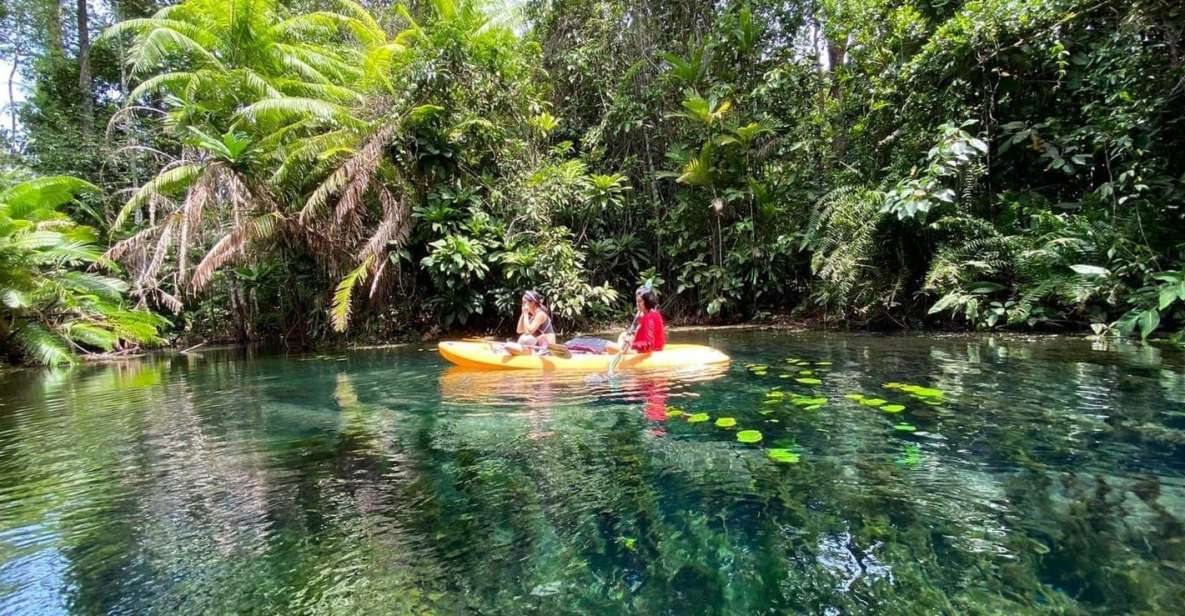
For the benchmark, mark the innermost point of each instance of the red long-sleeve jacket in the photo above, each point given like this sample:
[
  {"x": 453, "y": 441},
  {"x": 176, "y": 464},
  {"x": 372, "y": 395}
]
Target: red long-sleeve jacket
[{"x": 651, "y": 334}]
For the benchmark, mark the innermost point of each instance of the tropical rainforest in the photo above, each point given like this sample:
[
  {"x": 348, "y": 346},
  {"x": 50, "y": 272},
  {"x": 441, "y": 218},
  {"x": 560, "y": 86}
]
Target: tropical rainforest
[{"x": 321, "y": 171}]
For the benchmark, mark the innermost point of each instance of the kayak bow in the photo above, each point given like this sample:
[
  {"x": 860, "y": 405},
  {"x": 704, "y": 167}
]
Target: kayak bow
[{"x": 482, "y": 355}]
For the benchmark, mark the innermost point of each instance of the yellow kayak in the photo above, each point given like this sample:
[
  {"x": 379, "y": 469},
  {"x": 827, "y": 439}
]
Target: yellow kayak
[{"x": 483, "y": 355}]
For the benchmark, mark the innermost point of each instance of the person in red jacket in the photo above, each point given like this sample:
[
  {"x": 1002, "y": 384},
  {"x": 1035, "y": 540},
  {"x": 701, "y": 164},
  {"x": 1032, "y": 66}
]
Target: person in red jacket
[
  {"x": 652, "y": 332},
  {"x": 648, "y": 332}
]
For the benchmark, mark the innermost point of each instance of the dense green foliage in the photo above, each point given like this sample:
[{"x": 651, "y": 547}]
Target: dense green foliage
[
  {"x": 50, "y": 307},
  {"x": 297, "y": 169}
]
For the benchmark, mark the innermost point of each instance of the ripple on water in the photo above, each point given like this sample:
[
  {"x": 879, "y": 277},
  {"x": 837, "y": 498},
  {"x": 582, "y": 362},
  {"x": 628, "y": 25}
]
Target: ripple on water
[{"x": 383, "y": 481}]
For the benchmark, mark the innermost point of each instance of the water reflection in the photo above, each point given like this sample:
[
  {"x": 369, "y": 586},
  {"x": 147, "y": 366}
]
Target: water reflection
[
  {"x": 1049, "y": 478},
  {"x": 466, "y": 388}
]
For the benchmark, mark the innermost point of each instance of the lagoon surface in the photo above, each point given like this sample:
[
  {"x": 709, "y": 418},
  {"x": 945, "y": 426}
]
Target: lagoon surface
[{"x": 1023, "y": 475}]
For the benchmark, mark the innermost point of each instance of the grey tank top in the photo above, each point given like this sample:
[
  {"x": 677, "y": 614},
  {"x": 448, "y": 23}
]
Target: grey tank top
[{"x": 546, "y": 328}]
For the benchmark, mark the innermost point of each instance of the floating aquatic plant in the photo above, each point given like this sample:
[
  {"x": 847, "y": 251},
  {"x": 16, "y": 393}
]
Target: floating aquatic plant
[
  {"x": 749, "y": 436},
  {"x": 805, "y": 372},
  {"x": 726, "y": 422},
  {"x": 674, "y": 413},
  {"x": 872, "y": 401},
  {"x": 783, "y": 456},
  {"x": 915, "y": 390},
  {"x": 698, "y": 418},
  {"x": 911, "y": 455},
  {"x": 809, "y": 381},
  {"x": 904, "y": 427},
  {"x": 822, "y": 363},
  {"x": 893, "y": 408},
  {"x": 856, "y": 397}
]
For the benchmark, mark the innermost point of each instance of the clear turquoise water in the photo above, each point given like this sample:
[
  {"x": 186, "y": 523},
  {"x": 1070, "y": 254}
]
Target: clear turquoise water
[{"x": 1049, "y": 477}]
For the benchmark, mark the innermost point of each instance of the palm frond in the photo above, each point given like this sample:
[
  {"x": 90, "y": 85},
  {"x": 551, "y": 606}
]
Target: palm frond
[
  {"x": 44, "y": 193},
  {"x": 353, "y": 176},
  {"x": 279, "y": 110},
  {"x": 340, "y": 312},
  {"x": 104, "y": 287},
  {"x": 173, "y": 83},
  {"x": 172, "y": 180},
  {"x": 153, "y": 50},
  {"x": 92, "y": 335},
  {"x": 232, "y": 244}
]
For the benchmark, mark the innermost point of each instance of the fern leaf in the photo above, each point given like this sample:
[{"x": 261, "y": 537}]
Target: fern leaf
[{"x": 44, "y": 346}]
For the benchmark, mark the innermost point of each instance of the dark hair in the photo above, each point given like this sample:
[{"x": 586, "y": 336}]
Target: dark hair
[
  {"x": 535, "y": 298},
  {"x": 649, "y": 299}
]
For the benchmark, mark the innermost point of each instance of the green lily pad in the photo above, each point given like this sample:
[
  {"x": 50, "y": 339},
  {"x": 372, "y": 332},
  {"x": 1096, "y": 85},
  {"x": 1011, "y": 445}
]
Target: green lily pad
[
  {"x": 872, "y": 401},
  {"x": 893, "y": 408},
  {"x": 854, "y": 396},
  {"x": 698, "y": 418},
  {"x": 893, "y": 385},
  {"x": 922, "y": 392},
  {"x": 813, "y": 407},
  {"x": 783, "y": 376},
  {"x": 726, "y": 422},
  {"x": 809, "y": 381},
  {"x": 904, "y": 427},
  {"x": 749, "y": 436},
  {"x": 783, "y": 456},
  {"x": 822, "y": 363},
  {"x": 674, "y": 413},
  {"x": 805, "y": 372}
]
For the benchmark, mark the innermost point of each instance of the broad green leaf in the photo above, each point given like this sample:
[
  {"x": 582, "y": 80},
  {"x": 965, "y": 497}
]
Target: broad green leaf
[
  {"x": 1168, "y": 295},
  {"x": 1148, "y": 321}
]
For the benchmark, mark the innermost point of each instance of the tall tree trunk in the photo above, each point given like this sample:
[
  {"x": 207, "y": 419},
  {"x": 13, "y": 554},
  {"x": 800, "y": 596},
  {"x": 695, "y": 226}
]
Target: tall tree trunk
[
  {"x": 837, "y": 51},
  {"x": 53, "y": 28},
  {"x": 16, "y": 61},
  {"x": 84, "y": 69}
]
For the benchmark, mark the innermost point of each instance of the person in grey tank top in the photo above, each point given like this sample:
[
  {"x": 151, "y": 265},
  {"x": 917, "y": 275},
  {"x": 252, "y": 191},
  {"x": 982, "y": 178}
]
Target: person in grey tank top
[{"x": 534, "y": 326}]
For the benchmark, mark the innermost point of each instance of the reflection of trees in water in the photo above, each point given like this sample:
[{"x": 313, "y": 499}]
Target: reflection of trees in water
[
  {"x": 721, "y": 520},
  {"x": 221, "y": 498}
]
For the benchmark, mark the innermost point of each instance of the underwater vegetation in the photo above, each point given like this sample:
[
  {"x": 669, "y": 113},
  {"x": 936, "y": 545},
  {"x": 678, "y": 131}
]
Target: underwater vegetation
[{"x": 363, "y": 482}]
